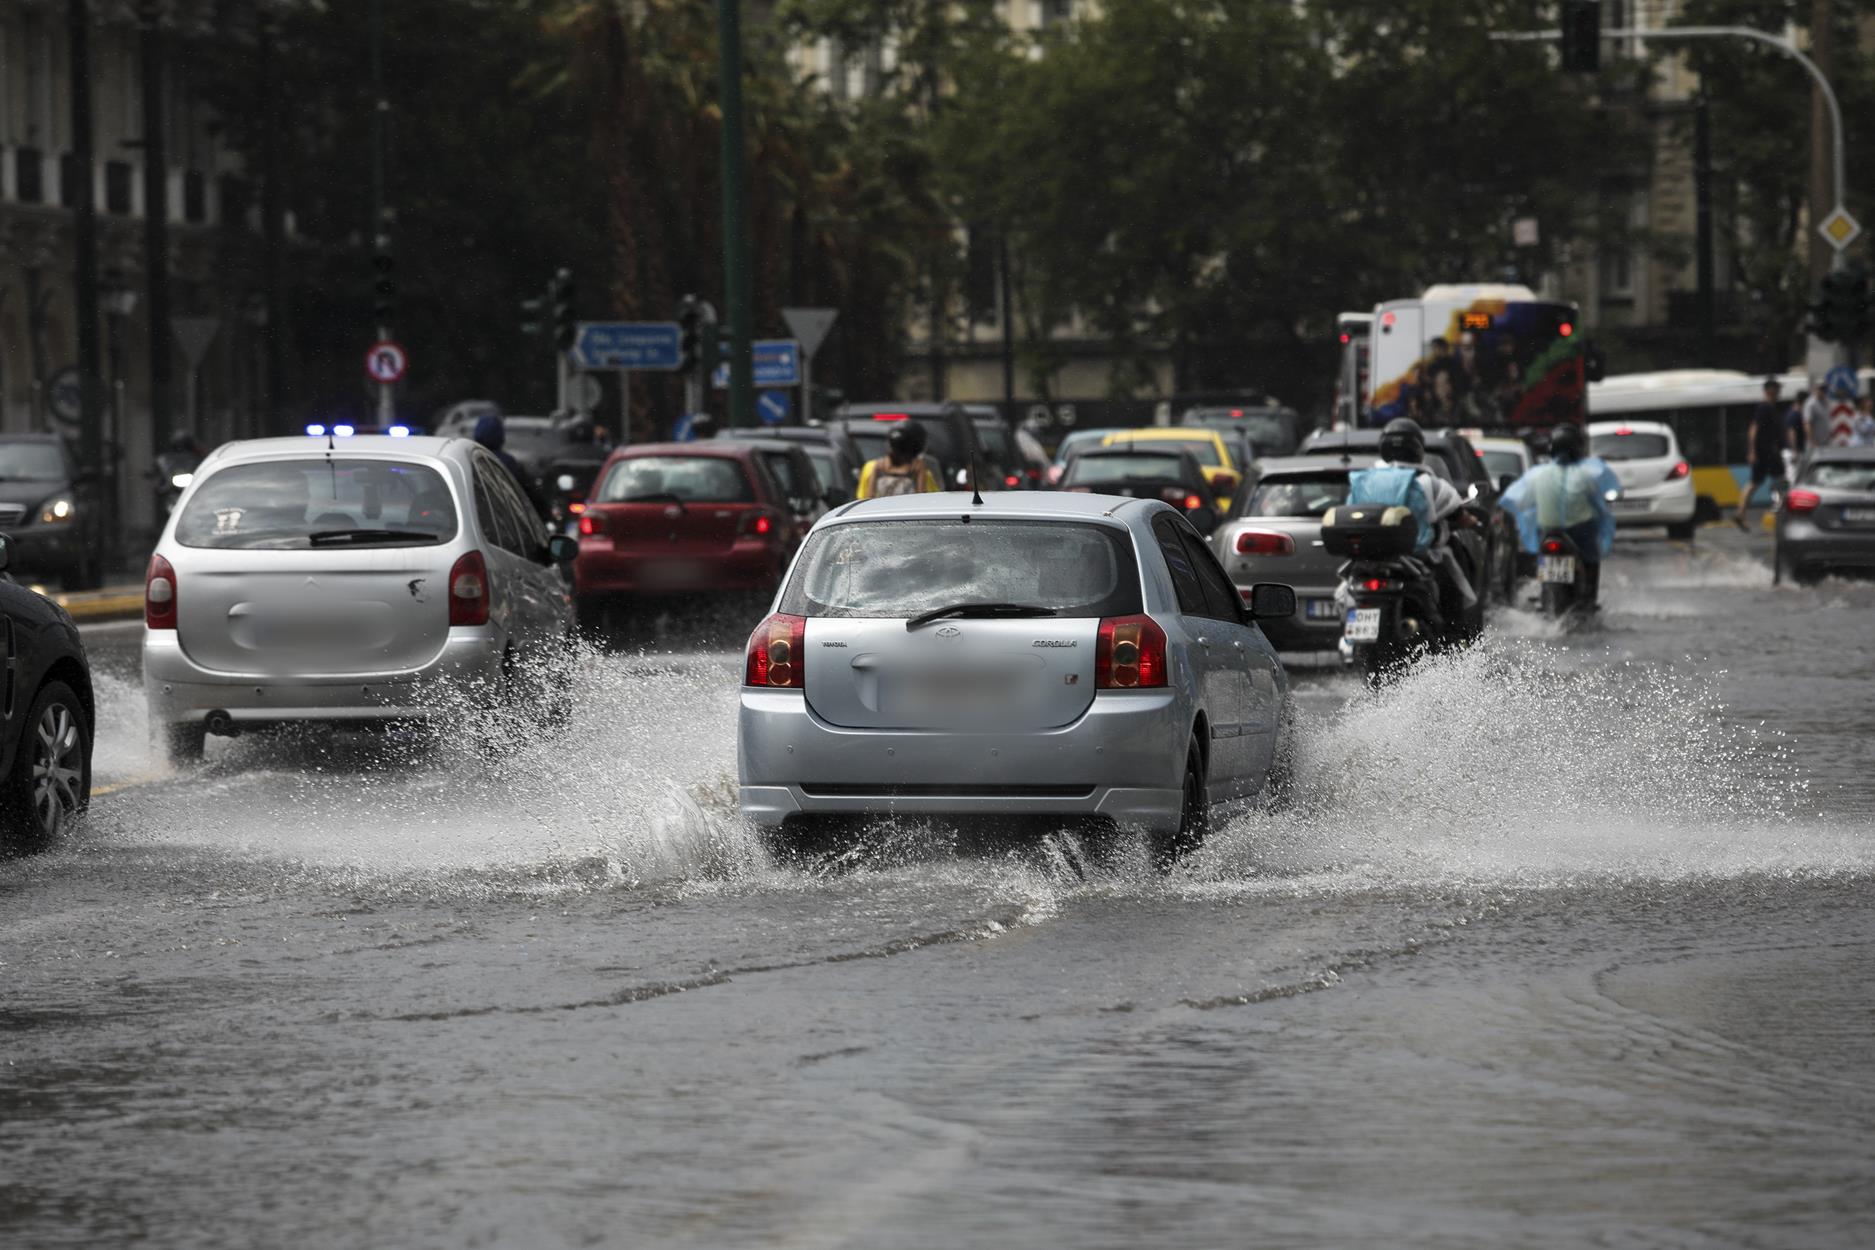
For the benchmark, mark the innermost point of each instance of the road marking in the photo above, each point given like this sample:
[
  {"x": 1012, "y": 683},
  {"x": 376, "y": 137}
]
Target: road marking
[{"x": 129, "y": 783}]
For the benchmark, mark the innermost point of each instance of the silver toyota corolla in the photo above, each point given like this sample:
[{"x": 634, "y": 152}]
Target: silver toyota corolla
[
  {"x": 332, "y": 579},
  {"x": 1034, "y": 654}
]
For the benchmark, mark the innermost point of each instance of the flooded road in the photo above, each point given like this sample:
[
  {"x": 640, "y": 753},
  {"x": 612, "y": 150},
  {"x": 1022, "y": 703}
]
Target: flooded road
[{"x": 1566, "y": 941}]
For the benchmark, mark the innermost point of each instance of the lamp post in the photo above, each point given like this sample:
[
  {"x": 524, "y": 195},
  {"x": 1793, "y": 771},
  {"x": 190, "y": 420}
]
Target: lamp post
[{"x": 119, "y": 300}]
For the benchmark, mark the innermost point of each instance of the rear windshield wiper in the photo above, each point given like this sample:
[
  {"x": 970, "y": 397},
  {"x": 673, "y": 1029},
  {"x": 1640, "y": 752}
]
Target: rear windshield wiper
[
  {"x": 328, "y": 538},
  {"x": 662, "y": 496},
  {"x": 977, "y": 609}
]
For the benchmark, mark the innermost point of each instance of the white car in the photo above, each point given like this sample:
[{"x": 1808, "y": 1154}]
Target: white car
[
  {"x": 1656, "y": 481},
  {"x": 338, "y": 579},
  {"x": 1505, "y": 459}
]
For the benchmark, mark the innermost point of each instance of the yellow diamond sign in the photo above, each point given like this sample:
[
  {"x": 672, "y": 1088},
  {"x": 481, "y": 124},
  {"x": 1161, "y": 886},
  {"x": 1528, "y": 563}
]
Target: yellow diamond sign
[{"x": 1840, "y": 229}]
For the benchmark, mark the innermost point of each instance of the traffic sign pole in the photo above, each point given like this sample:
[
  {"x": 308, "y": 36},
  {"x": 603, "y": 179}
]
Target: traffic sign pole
[
  {"x": 735, "y": 214},
  {"x": 810, "y": 326}
]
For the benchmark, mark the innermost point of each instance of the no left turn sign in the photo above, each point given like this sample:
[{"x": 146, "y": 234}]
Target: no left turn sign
[{"x": 386, "y": 362}]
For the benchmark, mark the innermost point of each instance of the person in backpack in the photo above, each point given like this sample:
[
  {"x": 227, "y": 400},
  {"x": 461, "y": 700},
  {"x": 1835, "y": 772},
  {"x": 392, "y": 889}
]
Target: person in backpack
[
  {"x": 902, "y": 470},
  {"x": 1401, "y": 479},
  {"x": 1569, "y": 493}
]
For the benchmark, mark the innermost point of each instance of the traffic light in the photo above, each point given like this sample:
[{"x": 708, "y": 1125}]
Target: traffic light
[
  {"x": 534, "y": 316},
  {"x": 383, "y": 287},
  {"x": 565, "y": 328},
  {"x": 689, "y": 334},
  {"x": 1842, "y": 312},
  {"x": 1581, "y": 36}
]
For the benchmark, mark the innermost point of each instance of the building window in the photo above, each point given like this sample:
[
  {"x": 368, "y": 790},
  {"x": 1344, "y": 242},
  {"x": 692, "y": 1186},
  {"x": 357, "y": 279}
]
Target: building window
[{"x": 1618, "y": 272}]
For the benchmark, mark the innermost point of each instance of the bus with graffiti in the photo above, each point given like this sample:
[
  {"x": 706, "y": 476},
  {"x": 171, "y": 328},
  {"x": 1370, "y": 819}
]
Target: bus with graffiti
[{"x": 1482, "y": 355}]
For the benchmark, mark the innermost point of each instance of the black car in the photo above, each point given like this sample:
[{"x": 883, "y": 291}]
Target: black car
[
  {"x": 1271, "y": 430},
  {"x": 835, "y": 458},
  {"x": 46, "y": 715},
  {"x": 950, "y": 439},
  {"x": 50, "y": 510},
  {"x": 1145, "y": 471},
  {"x": 1489, "y": 553}
]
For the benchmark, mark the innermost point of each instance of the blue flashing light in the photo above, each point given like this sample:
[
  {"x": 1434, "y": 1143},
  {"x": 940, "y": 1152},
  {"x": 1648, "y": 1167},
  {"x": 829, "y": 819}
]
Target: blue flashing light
[
  {"x": 315, "y": 430},
  {"x": 343, "y": 431},
  {"x": 399, "y": 431}
]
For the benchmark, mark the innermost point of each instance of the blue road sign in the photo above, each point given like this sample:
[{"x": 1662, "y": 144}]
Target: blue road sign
[
  {"x": 777, "y": 363},
  {"x": 685, "y": 429},
  {"x": 772, "y": 407},
  {"x": 626, "y": 345},
  {"x": 1842, "y": 382}
]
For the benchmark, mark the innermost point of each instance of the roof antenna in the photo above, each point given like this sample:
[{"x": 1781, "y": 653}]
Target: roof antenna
[{"x": 976, "y": 496}]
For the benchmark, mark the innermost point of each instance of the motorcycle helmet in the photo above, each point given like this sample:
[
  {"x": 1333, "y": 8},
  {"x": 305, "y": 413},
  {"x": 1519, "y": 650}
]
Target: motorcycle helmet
[
  {"x": 1567, "y": 443},
  {"x": 906, "y": 442},
  {"x": 1403, "y": 442}
]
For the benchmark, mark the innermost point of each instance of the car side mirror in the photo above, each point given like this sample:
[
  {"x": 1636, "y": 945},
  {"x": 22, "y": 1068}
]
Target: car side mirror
[
  {"x": 1505, "y": 481},
  {"x": 1271, "y": 601},
  {"x": 562, "y": 549}
]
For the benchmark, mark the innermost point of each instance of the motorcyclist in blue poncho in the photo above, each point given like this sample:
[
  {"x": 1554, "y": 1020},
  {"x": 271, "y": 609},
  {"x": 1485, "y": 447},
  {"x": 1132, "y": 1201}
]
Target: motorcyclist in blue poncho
[
  {"x": 1401, "y": 479},
  {"x": 1570, "y": 493}
]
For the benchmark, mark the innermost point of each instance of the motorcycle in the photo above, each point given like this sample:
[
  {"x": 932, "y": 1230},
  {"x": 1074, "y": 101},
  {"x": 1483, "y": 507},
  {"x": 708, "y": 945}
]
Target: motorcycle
[
  {"x": 1389, "y": 595},
  {"x": 1562, "y": 576}
]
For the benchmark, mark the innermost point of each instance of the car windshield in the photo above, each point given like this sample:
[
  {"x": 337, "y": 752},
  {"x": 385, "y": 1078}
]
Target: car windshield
[
  {"x": 1629, "y": 446},
  {"x": 31, "y": 462},
  {"x": 1123, "y": 467},
  {"x": 904, "y": 568},
  {"x": 1838, "y": 475},
  {"x": 687, "y": 479},
  {"x": 1498, "y": 463},
  {"x": 1298, "y": 496},
  {"x": 286, "y": 505},
  {"x": 1203, "y": 450}
]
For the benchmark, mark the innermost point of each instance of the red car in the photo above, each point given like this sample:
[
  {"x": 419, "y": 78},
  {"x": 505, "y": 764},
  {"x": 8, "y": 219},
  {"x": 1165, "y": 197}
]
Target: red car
[{"x": 682, "y": 518}]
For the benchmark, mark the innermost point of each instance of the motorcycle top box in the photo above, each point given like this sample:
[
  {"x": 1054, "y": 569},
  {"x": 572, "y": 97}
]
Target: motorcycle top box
[{"x": 1370, "y": 532}]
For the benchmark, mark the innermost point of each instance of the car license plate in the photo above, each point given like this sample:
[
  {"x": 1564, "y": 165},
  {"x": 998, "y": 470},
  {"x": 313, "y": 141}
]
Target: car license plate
[
  {"x": 1859, "y": 516},
  {"x": 1319, "y": 609},
  {"x": 1556, "y": 569},
  {"x": 1363, "y": 625}
]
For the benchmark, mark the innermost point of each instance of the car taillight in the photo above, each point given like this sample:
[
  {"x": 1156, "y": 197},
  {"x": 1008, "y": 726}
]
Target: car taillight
[
  {"x": 591, "y": 524},
  {"x": 758, "y": 525},
  {"x": 1380, "y": 583},
  {"x": 774, "y": 658},
  {"x": 1678, "y": 471},
  {"x": 1552, "y": 546},
  {"x": 1129, "y": 653},
  {"x": 159, "y": 595},
  {"x": 468, "y": 589},
  {"x": 1193, "y": 503},
  {"x": 1802, "y": 501},
  {"x": 577, "y": 507},
  {"x": 1012, "y": 481},
  {"x": 1265, "y": 543}
]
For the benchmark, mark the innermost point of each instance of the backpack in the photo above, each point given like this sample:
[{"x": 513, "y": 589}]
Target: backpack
[
  {"x": 887, "y": 481},
  {"x": 1388, "y": 486}
]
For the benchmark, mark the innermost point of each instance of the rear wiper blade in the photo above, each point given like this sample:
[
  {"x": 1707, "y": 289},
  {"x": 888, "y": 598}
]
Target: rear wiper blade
[
  {"x": 978, "y": 609},
  {"x": 662, "y": 496},
  {"x": 325, "y": 538}
]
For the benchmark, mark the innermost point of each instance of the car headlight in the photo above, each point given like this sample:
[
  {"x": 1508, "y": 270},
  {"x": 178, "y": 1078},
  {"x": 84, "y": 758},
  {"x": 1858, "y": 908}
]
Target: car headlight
[{"x": 56, "y": 511}]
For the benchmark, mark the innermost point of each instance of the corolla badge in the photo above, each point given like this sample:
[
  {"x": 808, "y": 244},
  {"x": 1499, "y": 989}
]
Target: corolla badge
[{"x": 949, "y": 631}]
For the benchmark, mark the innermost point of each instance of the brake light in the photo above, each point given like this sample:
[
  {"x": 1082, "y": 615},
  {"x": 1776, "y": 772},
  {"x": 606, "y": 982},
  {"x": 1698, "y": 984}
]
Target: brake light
[
  {"x": 1265, "y": 543},
  {"x": 759, "y": 524},
  {"x": 1012, "y": 480},
  {"x": 591, "y": 524},
  {"x": 1678, "y": 471},
  {"x": 1192, "y": 503},
  {"x": 159, "y": 595},
  {"x": 1802, "y": 501},
  {"x": 891, "y": 416},
  {"x": 1565, "y": 329},
  {"x": 1238, "y": 412},
  {"x": 468, "y": 590},
  {"x": 1623, "y": 432},
  {"x": 1129, "y": 653},
  {"x": 577, "y": 507},
  {"x": 1552, "y": 546},
  {"x": 1379, "y": 583},
  {"x": 774, "y": 654}
]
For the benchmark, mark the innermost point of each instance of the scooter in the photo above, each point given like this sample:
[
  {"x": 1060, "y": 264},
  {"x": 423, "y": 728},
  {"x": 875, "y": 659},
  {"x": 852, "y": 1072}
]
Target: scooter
[
  {"x": 1562, "y": 576},
  {"x": 1389, "y": 596}
]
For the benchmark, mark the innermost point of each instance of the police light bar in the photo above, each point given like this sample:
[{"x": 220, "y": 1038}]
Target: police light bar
[
  {"x": 343, "y": 431},
  {"x": 399, "y": 431},
  {"x": 315, "y": 430}
]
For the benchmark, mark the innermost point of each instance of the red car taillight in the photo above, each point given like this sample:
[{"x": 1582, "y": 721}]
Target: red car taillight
[
  {"x": 591, "y": 524},
  {"x": 468, "y": 590},
  {"x": 774, "y": 657},
  {"x": 1802, "y": 501},
  {"x": 1129, "y": 653},
  {"x": 1678, "y": 471},
  {"x": 159, "y": 595},
  {"x": 1377, "y": 584},
  {"x": 1552, "y": 546},
  {"x": 1265, "y": 543},
  {"x": 758, "y": 525},
  {"x": 1012, "y": 481}
]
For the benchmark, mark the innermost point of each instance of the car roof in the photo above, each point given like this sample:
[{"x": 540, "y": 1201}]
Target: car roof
[
  {"x": 910, "y": 409},
  {"x": 1027, "y": 504},
  {"x": 725, "y": 448},
  {"x": 1636, "y": 427},
  {"x": 1494, "y": 442},
  {"x": 784, "y": 433},
  {"x": 1168, "y": 434},
  {"x": 414, "y": 447},
  {"x": 1277, "y": 466}
]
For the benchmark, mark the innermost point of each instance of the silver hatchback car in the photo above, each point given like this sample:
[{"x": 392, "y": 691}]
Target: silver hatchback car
[
  {"x": 335, "y": 579},
  {"x": 1033, "y": 654}
]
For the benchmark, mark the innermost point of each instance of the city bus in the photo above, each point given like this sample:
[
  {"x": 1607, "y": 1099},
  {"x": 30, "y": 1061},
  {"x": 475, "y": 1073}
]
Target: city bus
[
  {"x": 1493, "y": 356},
  {"x": 1710, "y": 413},
  {"x": 1352, "y": 331}
]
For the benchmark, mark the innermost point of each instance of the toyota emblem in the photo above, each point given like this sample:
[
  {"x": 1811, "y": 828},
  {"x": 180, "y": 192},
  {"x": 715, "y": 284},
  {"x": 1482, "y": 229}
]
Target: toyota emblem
[{"x": 949, "y": 631}]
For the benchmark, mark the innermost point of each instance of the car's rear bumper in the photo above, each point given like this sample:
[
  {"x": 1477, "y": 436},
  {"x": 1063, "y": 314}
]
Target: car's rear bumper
[
  {"x": 1670, "y": 503},
  {"x": 180, "y": 691},
  {"x": 1809, "y": 547},
  {"x": 1123, "y": 759},
  {"x": 608, "y": 571}
]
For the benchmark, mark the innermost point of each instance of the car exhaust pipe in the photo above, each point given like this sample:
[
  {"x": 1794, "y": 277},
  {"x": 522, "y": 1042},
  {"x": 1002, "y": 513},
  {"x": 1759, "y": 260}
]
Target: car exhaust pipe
[{"x": 221, "y": 724}]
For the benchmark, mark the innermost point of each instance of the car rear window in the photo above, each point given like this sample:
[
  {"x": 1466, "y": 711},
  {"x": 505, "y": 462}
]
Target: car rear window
[
  {"x": 1269, "y": 432},
  {"x": 902, "y": 568},
  {"x": 692, "y": 479},
  {"x": 1299, "y": 495},
  {"x": 1629, "y": 446},
  {"x": 940, "y": 439},
  {"x": 1837, "y": 475},
  {"x": 783, "y": 466},
  {"x": 1132, "y": 466},
  {"x": 294, "y": 505},
  {"x": 1498, "y": 463}
]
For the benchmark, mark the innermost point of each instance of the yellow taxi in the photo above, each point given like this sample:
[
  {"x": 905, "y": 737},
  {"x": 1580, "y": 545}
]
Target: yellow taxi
[{"x": 1207, "y": 447}]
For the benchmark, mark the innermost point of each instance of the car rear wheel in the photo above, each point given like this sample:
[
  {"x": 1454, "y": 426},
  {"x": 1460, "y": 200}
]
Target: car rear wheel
[
  {"x": 1194, "y": 815},
  {"x": 50, "y": 785}
]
